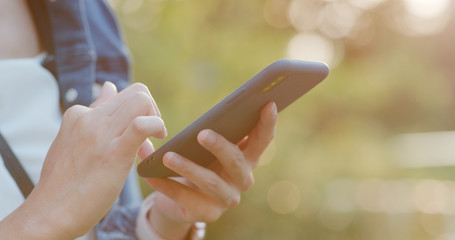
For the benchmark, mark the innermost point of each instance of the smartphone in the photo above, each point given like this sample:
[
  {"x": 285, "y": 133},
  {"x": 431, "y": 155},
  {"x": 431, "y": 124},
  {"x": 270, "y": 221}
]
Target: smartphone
[{"x": 283, "y": 82}]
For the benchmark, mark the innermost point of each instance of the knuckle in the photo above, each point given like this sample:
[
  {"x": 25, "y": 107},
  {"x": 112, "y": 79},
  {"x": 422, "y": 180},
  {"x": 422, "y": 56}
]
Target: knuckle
[
  {"x": 142, "y": 98},
  {"x": 187, "y": 216},
  {"x": 90, "y": 130},
  {"x": 138, "y": 125},
  {"x": 146, "y": 126},
  {"x": 211, "y": 214},
  {"x": 83, "y": 121},
  {"x": 266, "y": 136},
  {"x": 237, "y": 159},
  {"x": 234, "y": 201},
  {"x": 212, "y": 182},
  {"x": 73, "y": 112},
  {"x": 208, "y": 213},
  {"x": 249, "y": 182}
]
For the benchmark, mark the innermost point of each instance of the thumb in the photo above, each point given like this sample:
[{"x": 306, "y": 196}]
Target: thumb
[{"x": 108, "y": 91}]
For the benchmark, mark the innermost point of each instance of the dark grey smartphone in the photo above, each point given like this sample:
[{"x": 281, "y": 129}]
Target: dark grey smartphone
[{"x": 234, "y": 117}]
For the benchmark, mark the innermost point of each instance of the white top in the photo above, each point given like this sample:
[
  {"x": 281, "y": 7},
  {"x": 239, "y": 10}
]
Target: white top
[{"x": 29, "y": 121}]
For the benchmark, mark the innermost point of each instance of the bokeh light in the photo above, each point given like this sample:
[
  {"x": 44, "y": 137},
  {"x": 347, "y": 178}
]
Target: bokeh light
[
  {"x": 336, "y": 20},
  {"x": 427, "y": 9},
  {"x": 432, "y": 197},
  {"x": 275, "y": 13},
  {"x": 399, "y": 197},
  {"x": 423, "y": 17},
  {"x": 284, "y": 197},
  {"x": 340, "y": 195},
  {"x": 365, "y": 4},
  {"x": 424, "y": 149},
  {"x": 371, "y": 195},
  {"x": 304, "y": 14},
  {"x": 313, "y": 47}
]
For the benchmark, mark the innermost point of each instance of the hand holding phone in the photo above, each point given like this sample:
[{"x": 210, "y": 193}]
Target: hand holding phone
[{"x": 282, "y": 82}]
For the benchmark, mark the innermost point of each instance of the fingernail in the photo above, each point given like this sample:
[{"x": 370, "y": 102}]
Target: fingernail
[
  {"x": 274, "y": 109},
  {"x": 170, "y": 159},
  {"x": 105, "y": 84},
  {"x": 208, "y": 137},
  {"x": 97, "y": 91},
  {"x": 165, "y": 131}
]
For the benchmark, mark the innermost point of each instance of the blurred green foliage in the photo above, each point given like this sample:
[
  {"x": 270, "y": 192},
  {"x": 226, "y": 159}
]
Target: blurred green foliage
[{"x": 192, "y": 54}]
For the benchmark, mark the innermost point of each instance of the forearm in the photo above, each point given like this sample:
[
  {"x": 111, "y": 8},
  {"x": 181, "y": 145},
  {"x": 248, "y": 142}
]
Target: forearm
[
  {"x": 30, "y": 222},
  {"x": 46, "y": 214}
]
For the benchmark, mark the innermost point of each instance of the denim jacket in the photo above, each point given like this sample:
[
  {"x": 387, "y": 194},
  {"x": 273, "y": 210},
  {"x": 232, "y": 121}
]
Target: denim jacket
[{"x": 85, "y": 49}]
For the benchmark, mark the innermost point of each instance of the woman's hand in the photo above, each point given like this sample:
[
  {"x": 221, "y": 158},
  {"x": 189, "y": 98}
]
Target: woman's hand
[
  {"x": 88, "y": 163},
  {"x": 203, "y": 195}
]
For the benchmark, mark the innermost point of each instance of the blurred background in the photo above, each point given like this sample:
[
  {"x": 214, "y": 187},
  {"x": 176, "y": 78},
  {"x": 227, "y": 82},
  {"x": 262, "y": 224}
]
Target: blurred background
[{"x": 367, "y": 154}]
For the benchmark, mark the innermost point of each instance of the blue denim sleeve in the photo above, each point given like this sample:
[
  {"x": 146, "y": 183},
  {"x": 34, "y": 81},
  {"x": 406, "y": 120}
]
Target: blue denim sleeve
[{"x": 120, "y": 222}]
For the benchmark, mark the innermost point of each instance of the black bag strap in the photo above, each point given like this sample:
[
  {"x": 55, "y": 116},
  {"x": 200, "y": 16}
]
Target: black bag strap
[{"x": 15, "y": 168}]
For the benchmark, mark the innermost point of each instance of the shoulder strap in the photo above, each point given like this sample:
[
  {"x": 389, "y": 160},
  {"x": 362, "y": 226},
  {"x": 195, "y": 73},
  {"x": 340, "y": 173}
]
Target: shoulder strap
[{"x": 15, "y": 168}]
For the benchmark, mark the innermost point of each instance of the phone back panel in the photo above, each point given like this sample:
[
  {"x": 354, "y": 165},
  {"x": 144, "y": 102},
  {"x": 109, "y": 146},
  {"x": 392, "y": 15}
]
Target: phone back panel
[{"x": 236, "y": 115}]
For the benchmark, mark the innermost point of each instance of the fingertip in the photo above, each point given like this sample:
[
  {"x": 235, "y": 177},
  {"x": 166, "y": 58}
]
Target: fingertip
[
  {"x": 167, "y": 158},
  {"x": 269, "y": 114},
  {"x": 165, "y": 129},
  {"x": 249, "y": 182},
  {"x": 163, "y": 133},
  {"x": 107, "y": 83},
  {"x": 108, "y": 87},
  {"x": 201, "y": 135},
  {"x": 107, "y": 91},
  {"x": 146, "y": 149},
  {"x": 272, "y": 110},
  {"x": 140, "y": 129},
  {"x": 206, "y": 137}
]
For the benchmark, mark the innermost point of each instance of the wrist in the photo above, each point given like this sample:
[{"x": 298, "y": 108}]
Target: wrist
[
  {"x": 152, "y": 224},
  {"x": 167, "y": 228}
]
